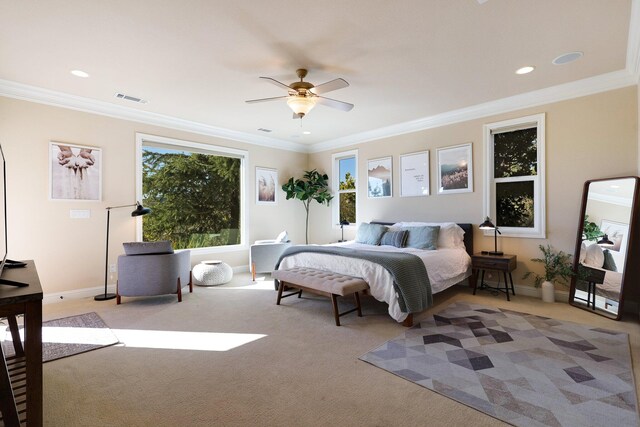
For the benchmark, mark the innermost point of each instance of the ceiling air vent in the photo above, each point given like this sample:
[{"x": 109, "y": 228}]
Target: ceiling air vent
[
  {"x": 264, "y": 130},
  {"x": 130, "y": 98}
]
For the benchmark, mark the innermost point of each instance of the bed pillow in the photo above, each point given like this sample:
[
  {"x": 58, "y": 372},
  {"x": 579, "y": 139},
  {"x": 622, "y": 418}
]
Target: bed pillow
[
  {"x": 583, "y": 253},
  {"x": 395, "y": 238},
  {"x": 594, "y": 256},
  {"x": 609, "y": 262},
  {"x": 425, "y": 237},
  {"x": 148, "y": 248},
  {"x": 370, "y": 234},
  {"x": 450, "y": 235}
]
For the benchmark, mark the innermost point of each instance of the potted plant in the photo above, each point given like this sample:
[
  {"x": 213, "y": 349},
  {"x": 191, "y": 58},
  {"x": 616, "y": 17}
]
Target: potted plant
[
  {"x": 312, "y": 186},
  {"x": 557, "y": 266}
]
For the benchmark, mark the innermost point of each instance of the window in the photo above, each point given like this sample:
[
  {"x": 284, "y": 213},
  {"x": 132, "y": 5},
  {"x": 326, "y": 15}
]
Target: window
[
  {"x": 195, "y": 193},
  {"x": 514, "y": 165},
  {"x": 345, "y": 168}
]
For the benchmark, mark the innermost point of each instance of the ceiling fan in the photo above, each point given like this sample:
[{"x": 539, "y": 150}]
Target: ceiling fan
[{"x": 303, "y": 96}]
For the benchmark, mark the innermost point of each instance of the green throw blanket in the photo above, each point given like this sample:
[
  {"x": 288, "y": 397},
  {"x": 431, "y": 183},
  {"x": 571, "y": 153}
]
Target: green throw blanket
[{"x": 409, "y": 274}]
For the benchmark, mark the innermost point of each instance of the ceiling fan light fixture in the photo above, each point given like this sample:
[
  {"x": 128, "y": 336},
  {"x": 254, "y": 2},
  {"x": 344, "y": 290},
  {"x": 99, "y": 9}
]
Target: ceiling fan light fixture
[{"x": 301, "y": 105}]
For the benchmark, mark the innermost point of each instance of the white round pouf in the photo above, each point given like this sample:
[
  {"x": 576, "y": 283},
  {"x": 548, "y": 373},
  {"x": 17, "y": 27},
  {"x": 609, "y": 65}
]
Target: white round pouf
[{"x": 212, "y": 273}]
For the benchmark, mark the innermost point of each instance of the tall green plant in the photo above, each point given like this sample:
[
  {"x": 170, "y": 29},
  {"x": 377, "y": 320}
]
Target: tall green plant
[
  {"x": 312, "y": 186},
  {"x": 557, "y": 265}
]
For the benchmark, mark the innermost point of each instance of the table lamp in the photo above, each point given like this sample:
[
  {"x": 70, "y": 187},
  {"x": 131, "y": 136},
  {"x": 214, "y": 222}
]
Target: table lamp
[
  {"x": 488, "y": 225},
  {"x": 342, "y": 224}
]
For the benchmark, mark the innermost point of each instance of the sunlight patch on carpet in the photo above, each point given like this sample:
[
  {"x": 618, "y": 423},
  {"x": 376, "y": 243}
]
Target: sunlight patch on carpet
[{"x": 180, "y": 340}]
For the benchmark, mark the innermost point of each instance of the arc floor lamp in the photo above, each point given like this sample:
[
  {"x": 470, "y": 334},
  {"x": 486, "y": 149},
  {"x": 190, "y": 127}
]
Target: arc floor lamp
[{"x": 139, "y": 211}]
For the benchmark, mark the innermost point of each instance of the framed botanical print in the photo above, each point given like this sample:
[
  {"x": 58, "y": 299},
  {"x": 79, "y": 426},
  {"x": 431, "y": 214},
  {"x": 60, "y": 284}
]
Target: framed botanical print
[{"x": 266, "y": 186}]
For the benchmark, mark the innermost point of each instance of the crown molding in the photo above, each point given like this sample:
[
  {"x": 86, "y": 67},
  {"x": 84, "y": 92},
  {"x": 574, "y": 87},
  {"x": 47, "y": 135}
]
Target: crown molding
[
  {"x": 58, "y": 99},
  {"x": 633, "y": 41},
  {"x": 576, "y": 89}
]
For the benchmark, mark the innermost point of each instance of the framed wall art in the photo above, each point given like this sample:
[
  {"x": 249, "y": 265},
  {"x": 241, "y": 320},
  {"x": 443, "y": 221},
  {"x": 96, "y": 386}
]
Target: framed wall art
[
  {"x": 379, "y": 177},
  {"x": 266, "y": 186},
  {"x": 75, "y": 172},
  {"x": 414, "y": 174},
  {"x": 455, "y": 169}
]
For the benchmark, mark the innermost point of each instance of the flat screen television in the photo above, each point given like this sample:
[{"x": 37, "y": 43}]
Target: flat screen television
[{"x": 4, "y": 241}]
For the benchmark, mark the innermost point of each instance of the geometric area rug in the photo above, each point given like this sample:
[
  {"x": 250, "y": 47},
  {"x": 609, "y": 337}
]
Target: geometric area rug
[
  {"x": 523, "y": 369},
  {"x": 69, "y": 336}
]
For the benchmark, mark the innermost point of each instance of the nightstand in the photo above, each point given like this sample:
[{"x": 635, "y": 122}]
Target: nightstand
[{"x": 504, "y": 263}]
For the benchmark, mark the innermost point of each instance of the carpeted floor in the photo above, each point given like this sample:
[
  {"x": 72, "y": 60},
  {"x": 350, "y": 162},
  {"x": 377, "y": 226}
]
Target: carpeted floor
[
  {"x": 524, "y": 369},
  {"x": 262, "y": 364}
]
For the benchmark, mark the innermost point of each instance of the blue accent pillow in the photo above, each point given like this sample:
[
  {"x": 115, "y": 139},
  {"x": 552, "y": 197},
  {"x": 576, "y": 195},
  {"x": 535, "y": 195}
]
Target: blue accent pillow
[
  {"x": 425, "y": 237},
  {"x": 395, "y": 238},
  {"x": 370, "y": 234},
  {"x": 609, "y": 263}
]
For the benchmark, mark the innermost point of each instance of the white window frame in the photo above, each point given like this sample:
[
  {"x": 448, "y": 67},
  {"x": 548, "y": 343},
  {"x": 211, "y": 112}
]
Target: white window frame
[
  {"x": 335, "y": 186},
  {"x": 538, "y": 121},
  {"x": 172, "y": 143}
]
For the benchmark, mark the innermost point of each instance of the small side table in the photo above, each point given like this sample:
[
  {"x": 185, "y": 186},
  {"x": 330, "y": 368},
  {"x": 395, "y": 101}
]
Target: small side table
[
  {"x": 212, "y": 273},
  {"x": 505, "y": 263}
]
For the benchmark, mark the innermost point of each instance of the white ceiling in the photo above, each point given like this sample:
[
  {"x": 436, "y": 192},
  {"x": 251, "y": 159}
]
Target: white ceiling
[{"x": 197, "y": 61}]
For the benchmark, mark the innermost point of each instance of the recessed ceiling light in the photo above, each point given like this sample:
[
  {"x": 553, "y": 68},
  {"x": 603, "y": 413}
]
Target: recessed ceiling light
[
  {"x": 306, "y": 132},
  {"x": 80, "y": 73},
  {"x": 565, "y": 58},
  {"x": 525, "y": 70}
]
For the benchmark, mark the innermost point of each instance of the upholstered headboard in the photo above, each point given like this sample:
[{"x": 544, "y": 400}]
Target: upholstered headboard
[{"x": 468, "y": 233}]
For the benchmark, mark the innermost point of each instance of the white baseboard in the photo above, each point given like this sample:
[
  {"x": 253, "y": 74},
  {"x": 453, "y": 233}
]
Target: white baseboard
[
  {"x": 50, "y": 298},
  {"x": 54, "y": 297},
  {"x": 530, "y": 291}
]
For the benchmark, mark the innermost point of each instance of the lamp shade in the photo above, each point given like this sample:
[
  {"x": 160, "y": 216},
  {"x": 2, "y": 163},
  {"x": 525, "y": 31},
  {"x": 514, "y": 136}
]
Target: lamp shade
[
  {"x": 301, "y": 105},
  {"x": 487, "y": 224},
  {"x": 140, "y": 210},
  {"x": 604, "y": 241}
]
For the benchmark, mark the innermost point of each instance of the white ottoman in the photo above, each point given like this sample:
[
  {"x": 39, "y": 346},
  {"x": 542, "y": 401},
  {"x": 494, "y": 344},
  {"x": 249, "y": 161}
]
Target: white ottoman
[{"x": 212, "y": 273}]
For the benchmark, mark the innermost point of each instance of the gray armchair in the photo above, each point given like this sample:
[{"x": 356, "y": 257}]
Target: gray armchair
[
  {"x": 264, "y": 254},
  {"x": 152, "y": 268}
]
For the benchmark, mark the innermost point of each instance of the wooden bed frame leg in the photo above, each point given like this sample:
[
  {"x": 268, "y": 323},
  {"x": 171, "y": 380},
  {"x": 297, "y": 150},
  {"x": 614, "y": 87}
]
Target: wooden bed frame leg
[{"x": 408, "y": 322}]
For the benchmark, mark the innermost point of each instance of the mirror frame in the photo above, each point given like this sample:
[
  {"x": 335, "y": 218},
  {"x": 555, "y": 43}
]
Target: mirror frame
[{"x": 629, "y": 273}]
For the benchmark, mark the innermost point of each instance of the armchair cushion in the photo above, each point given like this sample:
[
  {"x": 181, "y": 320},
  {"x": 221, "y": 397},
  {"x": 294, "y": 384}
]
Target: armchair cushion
[{"x": 147, "y": 248}]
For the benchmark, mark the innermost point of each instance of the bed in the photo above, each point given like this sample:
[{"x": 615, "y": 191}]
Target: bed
[{"x": 446, "y": 266}]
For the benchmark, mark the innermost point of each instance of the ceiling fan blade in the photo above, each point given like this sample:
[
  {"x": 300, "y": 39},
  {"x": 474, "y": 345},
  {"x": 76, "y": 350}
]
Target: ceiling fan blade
[
  {"x": 329, "y": 86},
  {"x": 277, "y": 83},
  {"x": 333, "y": 103},
  {"x": 253, "y": 101}
]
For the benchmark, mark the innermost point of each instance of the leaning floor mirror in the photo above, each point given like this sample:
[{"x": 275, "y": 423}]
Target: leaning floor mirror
[{"x": 607, "y": 265}]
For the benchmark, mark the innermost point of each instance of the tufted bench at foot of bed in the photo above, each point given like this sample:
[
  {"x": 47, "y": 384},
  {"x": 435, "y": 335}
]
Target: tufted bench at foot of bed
[{"x": 323, "y": 283}]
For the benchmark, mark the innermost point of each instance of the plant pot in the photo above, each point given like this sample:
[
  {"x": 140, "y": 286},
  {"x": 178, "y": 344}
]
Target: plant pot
[{"x": 548, "y": 292}]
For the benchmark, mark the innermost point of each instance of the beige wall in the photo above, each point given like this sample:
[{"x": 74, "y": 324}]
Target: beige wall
[
  {"x": 586, "y": 138},
  {"x": 69, "y": 253}
]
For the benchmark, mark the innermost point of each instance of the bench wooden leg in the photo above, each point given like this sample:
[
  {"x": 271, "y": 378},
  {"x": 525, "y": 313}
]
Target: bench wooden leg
[
  {"x": 280, "y": 288},
  {"x": 358, "y": 306},
  {"x": 408, "y": 322},
  {"x": 334, "y": 301}
]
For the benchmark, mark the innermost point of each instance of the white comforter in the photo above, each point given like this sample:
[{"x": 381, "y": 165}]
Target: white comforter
[{"x": 445, "y": 267}]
